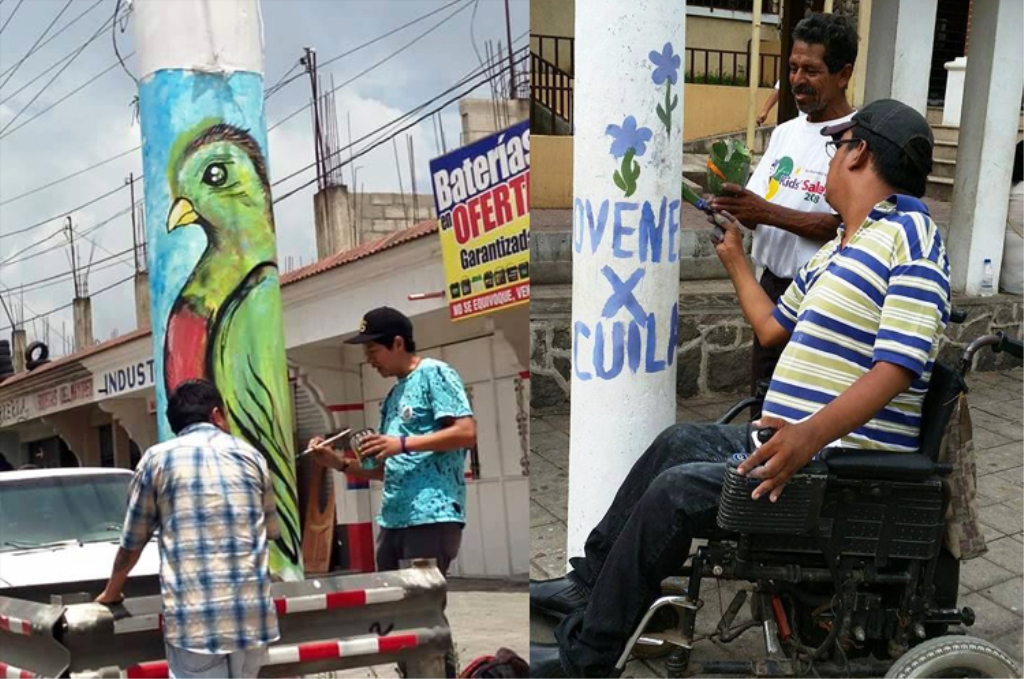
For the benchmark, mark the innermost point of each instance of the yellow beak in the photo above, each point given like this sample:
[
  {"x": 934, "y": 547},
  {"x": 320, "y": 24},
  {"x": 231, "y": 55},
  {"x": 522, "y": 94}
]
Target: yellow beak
[{"x": 182, "y": 214}]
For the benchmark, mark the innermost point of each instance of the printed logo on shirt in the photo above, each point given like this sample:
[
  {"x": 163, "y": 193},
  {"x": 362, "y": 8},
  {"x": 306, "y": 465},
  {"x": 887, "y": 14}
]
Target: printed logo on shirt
[
  {"x": 406, "y": 413},
  {"x": 783, "y": 176}
]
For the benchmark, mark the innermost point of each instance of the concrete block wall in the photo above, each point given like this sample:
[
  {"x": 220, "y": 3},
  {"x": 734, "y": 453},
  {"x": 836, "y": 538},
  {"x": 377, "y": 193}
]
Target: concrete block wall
[
  {"x": 715, "y": 341},
  {"x": 380, "y": 214}
]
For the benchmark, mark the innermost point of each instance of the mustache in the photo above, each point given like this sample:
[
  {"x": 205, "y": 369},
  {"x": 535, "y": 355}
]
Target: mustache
[{"x": 804, "y": 90}]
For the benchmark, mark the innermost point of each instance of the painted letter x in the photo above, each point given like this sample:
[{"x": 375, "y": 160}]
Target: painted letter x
[{"x": 622, "y": 295}]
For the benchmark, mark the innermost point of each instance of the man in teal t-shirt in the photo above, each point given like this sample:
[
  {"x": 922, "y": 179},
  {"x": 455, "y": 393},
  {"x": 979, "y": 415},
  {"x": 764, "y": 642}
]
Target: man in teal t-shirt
[{"x": 426, "y": 428}]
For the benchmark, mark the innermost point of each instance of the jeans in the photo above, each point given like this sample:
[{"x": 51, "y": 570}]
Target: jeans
[
  {"x": 185, "y": 664},
  {"x": 669, "y": 497},
  {"x": 438, "y": 541}
]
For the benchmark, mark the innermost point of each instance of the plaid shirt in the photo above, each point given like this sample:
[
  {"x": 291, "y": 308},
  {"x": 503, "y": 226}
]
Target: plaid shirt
[{"x": 211, "y": 496}]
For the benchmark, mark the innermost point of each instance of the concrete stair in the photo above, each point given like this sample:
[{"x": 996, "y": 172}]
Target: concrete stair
[{"x": 940, "y": 182}]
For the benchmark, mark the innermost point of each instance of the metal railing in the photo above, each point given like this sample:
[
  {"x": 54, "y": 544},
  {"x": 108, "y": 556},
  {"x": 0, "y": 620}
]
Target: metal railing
[
  {"x": 767, "y": 6},
  {"x": 728, "y": 67},
  {"x": 555, "y": 49},
  {"x": 553, "y": 88},
  {"x": 326, "y": 624}
]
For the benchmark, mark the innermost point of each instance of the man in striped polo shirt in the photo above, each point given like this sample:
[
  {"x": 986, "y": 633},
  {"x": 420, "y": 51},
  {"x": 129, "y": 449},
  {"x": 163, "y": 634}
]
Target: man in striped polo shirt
[{"x": 862, "y": 319}]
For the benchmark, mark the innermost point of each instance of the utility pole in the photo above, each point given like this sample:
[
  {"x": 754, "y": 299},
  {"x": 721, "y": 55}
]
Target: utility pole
[
  {"x": 130, "y": 181},
  {"x": 628, "y": 156},
  {"x": 202, "y": 88},
  {"x": 141, "y": 279},
  {"x": 309, "y": 61}
]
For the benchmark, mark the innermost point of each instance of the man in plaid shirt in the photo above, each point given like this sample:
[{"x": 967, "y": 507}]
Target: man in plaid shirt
[{"x": 211, "y": 497}]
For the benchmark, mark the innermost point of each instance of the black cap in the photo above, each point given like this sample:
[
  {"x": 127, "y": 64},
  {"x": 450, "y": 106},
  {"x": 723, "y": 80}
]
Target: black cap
[
  {"x": 897, "y": 123},
  {"x": 382, "y": 323}
]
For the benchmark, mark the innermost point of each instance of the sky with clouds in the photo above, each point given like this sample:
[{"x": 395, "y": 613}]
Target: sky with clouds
[{"x": 96, "y": 123}]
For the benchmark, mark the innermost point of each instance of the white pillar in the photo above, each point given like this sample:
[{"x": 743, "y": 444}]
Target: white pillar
[
  {"x": 988, "y": 134},
  {"x": 629, "y": 57},
  {"x": 900, "y": 54},
  {"x": 201, "y": 95},
  {"x": 951, "y": 105}
]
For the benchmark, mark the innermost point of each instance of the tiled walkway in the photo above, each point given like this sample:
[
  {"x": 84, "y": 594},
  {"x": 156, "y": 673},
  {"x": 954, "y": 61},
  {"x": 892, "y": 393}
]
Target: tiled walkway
[{"x": 991, "y": 584}]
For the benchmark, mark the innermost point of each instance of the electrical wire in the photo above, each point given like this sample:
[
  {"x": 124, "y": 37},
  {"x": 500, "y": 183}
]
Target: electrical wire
[
  {"x": 41, "y": 283},
  {"x": 11, "y": 15},
  {"x": 92, "y": 229},
  {"x": 475, "y": 73},
  {"x": 39, "y": 76},
  {"x": 52, "y": 37},
  {"x": 67, "y": 96},
  {"x": 70, "y": 304},
  {"x": 63, "y": 68},
  {"x": 113, "y": 39},
  {"x": 35, "y": 45},
  {"x": 63, "y": 213},
  {"x": 378, "y": 143},
  {"x": 389, "y": 57},
  {"x": 73, "y": 174}
]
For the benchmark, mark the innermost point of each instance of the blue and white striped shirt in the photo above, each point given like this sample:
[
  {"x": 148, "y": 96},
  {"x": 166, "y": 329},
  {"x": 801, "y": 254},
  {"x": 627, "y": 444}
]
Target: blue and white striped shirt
[
  {"x": 883, "y": 297},
  {"x": 212, "y": 498}
]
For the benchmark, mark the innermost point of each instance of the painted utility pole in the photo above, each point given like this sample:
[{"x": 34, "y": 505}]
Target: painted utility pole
[
  {"x": 215, "y": 295},
  {"x": 628, "y": 157}
]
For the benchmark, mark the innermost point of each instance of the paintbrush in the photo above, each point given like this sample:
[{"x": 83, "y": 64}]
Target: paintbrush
[{"x": 326, "y": 442}]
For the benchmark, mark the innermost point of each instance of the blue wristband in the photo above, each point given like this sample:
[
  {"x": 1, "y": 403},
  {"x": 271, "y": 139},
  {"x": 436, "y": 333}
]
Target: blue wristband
[{"x": 402, "y": 439}]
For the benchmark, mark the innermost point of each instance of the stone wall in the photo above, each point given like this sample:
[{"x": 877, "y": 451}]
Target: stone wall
[
  {"x": 715, "y": 340},
  {"x": 380, "y": 214}
]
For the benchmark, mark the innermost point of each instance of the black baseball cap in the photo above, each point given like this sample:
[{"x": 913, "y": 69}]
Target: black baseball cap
[
  {"x": 898, "y": 124},
  {"x": 382, "y": 323}
]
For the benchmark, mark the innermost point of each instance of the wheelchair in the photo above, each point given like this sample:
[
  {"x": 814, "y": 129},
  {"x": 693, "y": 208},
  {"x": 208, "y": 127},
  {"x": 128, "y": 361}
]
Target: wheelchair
[{"x": 846, "y": 574}]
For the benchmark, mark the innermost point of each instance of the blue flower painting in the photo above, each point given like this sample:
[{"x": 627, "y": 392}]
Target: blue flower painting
[
  {"x": 666, "y": 72},
  {"x": 628, "y": 136},
  {"x": 628, "y": 142},
  {"x": 666, "y": 65}
]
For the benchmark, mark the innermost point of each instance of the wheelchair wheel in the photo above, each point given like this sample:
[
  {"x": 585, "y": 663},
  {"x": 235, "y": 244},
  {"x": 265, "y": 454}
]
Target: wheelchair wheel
[{"x": 954, "y": 656}]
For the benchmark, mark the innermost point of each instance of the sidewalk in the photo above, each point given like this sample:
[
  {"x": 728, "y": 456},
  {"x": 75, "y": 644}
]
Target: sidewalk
[{"x": 991, "y": 585}]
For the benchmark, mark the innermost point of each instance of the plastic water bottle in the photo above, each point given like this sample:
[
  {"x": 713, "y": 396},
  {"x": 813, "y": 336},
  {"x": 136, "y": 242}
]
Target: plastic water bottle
[{"x": 987, "y": 284}]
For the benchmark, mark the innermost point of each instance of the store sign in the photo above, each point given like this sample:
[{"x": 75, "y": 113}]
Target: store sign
[
  {"x": 482, "y": 197},
  {"x": 131, "y": 377},
  {"x": 47, "y": 401}
]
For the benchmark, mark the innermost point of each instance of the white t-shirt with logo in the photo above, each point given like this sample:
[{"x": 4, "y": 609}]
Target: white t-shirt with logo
[{"x": 791, "y": 174}]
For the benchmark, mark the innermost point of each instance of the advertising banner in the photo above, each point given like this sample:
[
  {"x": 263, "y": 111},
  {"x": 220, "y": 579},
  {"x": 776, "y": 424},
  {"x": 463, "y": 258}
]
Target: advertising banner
[{"x": 482, "y": 197}]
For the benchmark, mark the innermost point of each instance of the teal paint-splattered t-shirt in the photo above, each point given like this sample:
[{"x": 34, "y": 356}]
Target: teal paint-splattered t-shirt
[{"x": 423, "y": 487}]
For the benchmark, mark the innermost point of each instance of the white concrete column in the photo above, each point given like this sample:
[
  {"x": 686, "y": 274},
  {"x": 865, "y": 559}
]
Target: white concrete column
[
  {"x": 988, "y": 134},
  {"x": 900, "y": 54},
  {"x": 626, "y": 184},
  {"x": 953, "y": 101}
]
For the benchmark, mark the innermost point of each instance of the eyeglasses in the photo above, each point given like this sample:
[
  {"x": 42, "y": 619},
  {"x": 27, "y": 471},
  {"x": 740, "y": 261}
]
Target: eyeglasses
[{"x": 833, "y": 145}]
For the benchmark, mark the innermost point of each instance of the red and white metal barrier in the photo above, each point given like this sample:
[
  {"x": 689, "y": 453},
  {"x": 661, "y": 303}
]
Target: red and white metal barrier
[
  {"x": 326, "y": 624},
  {"x": 12, "y": 672},
  {"x": 15, "y": 625},
  {"x": 285, "y": 605},
  {"x": 296, "y": 653}
]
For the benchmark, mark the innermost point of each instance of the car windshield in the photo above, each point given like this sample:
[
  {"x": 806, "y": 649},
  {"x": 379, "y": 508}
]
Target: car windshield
[{"x": 55, "y": 509}]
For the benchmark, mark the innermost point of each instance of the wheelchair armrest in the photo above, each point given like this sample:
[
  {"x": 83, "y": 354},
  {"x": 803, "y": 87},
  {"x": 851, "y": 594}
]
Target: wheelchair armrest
[{"x": 851, "y": 463}]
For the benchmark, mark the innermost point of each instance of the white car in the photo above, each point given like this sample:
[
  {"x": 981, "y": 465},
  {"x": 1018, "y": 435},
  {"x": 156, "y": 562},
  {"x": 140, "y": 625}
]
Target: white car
[{"x": 59, "y": 532}]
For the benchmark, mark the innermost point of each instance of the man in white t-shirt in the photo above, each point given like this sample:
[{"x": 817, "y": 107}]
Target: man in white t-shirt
[{"x": 784, "y": 201}]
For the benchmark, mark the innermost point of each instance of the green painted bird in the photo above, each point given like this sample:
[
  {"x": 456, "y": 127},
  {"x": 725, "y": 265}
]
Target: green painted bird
[{"x": 226, "y": 323}]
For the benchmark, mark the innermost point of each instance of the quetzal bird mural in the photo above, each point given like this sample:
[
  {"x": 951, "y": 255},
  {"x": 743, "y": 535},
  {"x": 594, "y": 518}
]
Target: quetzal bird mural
[{"x": 225, "y": 324}]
